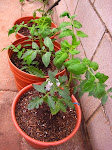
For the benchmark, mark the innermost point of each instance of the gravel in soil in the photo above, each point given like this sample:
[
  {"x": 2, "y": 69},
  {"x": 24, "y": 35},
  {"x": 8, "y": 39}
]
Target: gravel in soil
[{"x": 40, "y": 124}]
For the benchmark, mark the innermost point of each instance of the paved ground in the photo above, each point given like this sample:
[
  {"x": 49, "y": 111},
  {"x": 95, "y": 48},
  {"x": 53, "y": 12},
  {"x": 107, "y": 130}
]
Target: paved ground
[{"x": 10, "y": 139}]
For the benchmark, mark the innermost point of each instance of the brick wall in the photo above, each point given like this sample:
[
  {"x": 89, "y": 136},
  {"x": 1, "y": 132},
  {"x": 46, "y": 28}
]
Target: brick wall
[{"x": 96, "y": 18}]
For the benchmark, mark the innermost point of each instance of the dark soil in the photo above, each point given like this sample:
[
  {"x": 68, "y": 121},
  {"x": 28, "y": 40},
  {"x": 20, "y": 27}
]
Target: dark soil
[
  {"x": 25, "y": 31},
  {"x": 40, "y": 124},
  {"x": 19, "y": 63}
]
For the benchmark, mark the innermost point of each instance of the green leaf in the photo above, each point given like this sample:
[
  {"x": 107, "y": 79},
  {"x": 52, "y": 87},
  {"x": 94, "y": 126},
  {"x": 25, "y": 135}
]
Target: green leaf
[
  {"x": 50, "y": 102},
  {"x": 77, "y": 24},
  {"x": 68, "y": 103},
  {"x": 61, "y": 106},
  {"x": 75, "y": 90},
  {"x": 109, "y": 90},
  {"x": 34, "y": 14},
  {"x": 86, "y": 61},
  {"x": 81, "y": 34},
  {"x": 34, "y": 103},
  {"x": 89, "y": 85},
  {"x": 36, "y": 71},
  {"x": 99, "y": 90},
  {"x": 101, "y": 77},
  {"x": 73, "y": 16},
  {"x": 35, "y": 46},
  {"x": 65, "y": 33},
  {"x": 39, "y": 88},
  {"x": 64, "y": 24},
  {"x": 94, "y": 66},
  {"x": 65, "y": 13},
  {"x": 58, "y": 61},
  {"x": 64, "y": 94},
  {"x": 77, "y": 69},
  {"x": 74, "y": 51},
  {"x": 12, "y": 30},
  {"x": 48, "y": 43},
  {"x": 104, "y": 99},
  {"x": 56, "y": 110},
  {"x": 19, "y": 46},
  {"x": 52, "y": 75},
  {"x": 33, "y": 56},
  {"x": 71, "y": 61},
  {"x": 46, "y": 58},
  {"x": 19, "y": 54},
  {"x": 62, "y": 79},
  {"x": 27, "y": 53}
]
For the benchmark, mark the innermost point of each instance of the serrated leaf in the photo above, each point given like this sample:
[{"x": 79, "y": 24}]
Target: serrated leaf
[
  {"x": 56, "y": 110},
  {"x": 34, "y": 103},
  {"x": 35, "y": 46},
  {"x": 19, "y": 46},
  {"x": 52, "y": 75},
  {"x": 94, "y": 66},
  {"x": 77, "y": 69},
  {"x": 61, "y": 106},
  {"x": 62, "y": 79},
  {"x": 68, "y": 103},
  {"x": 65, "y": 33},
  {"x": 64, "y": 94},
  {"x": 99, "y": 90},
  {"x": 48, "y": 43},
  {"x": 64, "y": 24},
  {"x": 104, "y": 99},
  {"x": 77, "y": 24},
  {"x": 101, "y": 77},
  {"x": 36, "y": 71},
  {"x": 74, "y": 51},
  {"x": 15, "y": 50},
  {"x": 81, "y": 34},
  {"x": 39, "y": 88},
  {"x": 33, "y": 55},
  {"x": 50, "y": 102},
  {"x": 46, "y": 58},
  {"x": 65, "y": 13},
  {"x": 89, "y": 85}
]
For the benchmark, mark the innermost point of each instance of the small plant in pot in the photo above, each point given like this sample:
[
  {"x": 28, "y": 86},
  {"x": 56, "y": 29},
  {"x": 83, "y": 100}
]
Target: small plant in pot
[
  {"x": 57, "y": 95},
  {"x": 23, "y": 31},
  {"x": 31, "y": 57}
]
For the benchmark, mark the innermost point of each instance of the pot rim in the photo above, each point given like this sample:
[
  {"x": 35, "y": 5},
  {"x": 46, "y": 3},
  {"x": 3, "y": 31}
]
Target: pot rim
[{"x": 78, "y": 111}]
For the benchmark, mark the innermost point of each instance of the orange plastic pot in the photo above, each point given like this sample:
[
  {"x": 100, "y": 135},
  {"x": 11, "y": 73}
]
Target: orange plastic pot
[
  {"x": 22, "y": 78},
  {"x": 36, "y": 143},
  {"x": 26, "y": 20}
]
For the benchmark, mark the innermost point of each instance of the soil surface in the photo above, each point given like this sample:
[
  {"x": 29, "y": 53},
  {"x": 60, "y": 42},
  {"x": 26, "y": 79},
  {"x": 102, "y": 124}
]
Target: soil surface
[
  {"x": 19, "y": 63},
  {"x": 40, "y": 124}
]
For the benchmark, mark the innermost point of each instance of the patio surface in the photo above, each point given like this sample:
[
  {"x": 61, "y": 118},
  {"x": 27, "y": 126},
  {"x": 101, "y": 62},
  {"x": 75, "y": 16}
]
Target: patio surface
[{"x": 10, "y": 139}]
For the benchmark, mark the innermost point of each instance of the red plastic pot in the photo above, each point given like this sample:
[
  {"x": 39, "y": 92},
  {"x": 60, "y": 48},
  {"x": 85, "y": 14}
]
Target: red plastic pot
[
  {"x": 26, "y": 20},
  {"x": 36, "y": 143},
  {"x": 22, "y": 78}
]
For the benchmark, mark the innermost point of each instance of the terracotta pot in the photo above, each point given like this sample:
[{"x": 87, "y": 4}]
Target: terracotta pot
[
  {"x": 36, "y": 143},
  {"x": 22, "y": 78},
  {"x": 27, "y": 19}
]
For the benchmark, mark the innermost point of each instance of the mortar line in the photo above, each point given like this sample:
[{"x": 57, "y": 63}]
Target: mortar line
[
  {"x": 93, "y": 113},
  {"x": 7, "y": 90},
  {"x": 92, "y": 5},
  {"x": 76, "y": 6},
  {"x": 96, "y": 50}
]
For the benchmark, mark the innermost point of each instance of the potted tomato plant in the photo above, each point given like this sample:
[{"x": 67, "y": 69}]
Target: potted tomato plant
[
  {"x": 29, "y": 55},
  {"x": 55, "y": 96}
]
